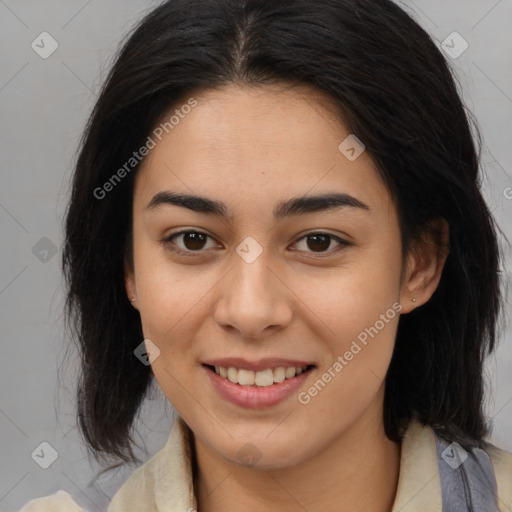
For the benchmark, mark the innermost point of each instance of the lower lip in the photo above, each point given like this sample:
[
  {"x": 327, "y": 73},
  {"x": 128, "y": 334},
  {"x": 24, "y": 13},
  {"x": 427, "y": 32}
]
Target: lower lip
[{"x": 256, "y": 397}]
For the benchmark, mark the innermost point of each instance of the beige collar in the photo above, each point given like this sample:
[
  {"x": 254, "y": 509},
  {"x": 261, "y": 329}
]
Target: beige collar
[{"x": 419, "y": 485}]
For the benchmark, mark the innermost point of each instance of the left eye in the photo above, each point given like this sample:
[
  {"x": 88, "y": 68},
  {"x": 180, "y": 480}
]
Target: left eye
[
  {"x": 194, "y": 241},
  {"x": 322, "y": 241}
]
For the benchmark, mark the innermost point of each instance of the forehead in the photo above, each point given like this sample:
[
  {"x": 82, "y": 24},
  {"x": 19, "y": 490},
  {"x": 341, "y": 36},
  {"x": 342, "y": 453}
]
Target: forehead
[{"x": 256, "y": 145}]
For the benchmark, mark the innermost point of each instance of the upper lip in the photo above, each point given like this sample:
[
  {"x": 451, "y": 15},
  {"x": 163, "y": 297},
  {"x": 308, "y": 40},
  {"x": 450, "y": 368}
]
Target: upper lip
[{"x": 262, "y": 364}]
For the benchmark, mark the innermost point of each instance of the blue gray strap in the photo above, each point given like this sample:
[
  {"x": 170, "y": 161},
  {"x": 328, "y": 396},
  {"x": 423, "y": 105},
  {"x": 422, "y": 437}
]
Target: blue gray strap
[{"x": 468, "y": 483}]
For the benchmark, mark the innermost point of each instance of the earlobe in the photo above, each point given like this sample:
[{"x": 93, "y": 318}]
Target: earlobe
[
  {"x": 425, "y": 265},
  {"x": 129, "y": 283}
]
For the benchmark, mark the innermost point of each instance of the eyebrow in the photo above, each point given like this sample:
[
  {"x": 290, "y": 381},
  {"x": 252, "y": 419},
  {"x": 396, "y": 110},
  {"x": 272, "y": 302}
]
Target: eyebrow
[{"x": 294, "y": 206}]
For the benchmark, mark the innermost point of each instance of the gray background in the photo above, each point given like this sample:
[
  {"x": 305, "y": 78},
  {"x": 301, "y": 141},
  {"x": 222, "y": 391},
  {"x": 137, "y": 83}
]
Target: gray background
[{"x": 43, "y": 107}]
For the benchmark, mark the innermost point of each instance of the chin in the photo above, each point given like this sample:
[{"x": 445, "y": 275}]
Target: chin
[{"x": 262, "y": 453}]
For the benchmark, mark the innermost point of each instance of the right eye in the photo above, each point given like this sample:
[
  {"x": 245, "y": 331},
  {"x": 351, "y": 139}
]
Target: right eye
[{"x": 192, "y": 242}]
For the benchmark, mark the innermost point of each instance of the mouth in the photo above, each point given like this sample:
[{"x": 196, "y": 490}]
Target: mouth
[
  {"x": 259, "y": 388},
  {"x": 259, "y": 379}
]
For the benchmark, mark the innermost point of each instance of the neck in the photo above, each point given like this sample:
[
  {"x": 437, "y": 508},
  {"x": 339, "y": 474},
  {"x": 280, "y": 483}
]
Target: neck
[{"x": 357, "y": 472}]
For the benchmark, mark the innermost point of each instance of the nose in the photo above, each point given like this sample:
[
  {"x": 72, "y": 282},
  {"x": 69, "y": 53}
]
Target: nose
[{"x": 254, "y": 299}]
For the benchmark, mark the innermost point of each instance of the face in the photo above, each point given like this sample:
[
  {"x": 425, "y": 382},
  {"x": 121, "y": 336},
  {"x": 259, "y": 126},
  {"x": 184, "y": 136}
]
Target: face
[{"x": 311, "y": 287}]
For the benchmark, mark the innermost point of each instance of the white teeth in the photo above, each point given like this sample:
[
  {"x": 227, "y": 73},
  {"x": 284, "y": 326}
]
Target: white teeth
[
  {"x": 233, "y": 375},
  {"x": 246, "y": 377},
  {"x": 262, "y": 378},
  {"x": 279, "y": 374},
  {"x": 290, "y": 372}
]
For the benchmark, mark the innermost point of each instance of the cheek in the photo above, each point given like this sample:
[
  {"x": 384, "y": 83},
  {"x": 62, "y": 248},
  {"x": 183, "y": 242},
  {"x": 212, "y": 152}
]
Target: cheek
[
  {"x": 356, "y": 313},
  {"x": 343, "y": 301},
  {"x": 168, "y": 294},
  {"x": 357, "y": 348},
  {"x": 171, "y": 306},
  {"x": 166, "y": 311}
]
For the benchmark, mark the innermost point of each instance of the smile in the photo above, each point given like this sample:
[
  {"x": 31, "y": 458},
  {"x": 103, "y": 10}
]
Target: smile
[{"x": 257, "y": 389}]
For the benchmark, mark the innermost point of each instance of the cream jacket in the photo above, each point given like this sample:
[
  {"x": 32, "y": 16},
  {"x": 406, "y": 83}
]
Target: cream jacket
[{"x": 164, "y": 483}]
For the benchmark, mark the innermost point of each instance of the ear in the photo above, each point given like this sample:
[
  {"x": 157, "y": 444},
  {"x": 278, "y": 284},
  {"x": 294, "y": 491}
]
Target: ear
[
  {"x": 129, "y": 284},
  {"x": 425, "y": 264}
]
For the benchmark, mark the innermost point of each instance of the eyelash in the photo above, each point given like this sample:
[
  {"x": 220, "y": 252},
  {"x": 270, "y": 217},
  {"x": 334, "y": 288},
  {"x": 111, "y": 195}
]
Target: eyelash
[{"x": 169, "y": 245}]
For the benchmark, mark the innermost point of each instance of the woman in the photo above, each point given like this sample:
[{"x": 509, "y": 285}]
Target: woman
[{"x": 276, "y": 215}]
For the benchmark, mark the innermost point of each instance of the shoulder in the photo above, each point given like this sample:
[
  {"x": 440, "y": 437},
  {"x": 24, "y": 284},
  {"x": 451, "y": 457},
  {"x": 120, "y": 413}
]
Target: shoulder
[
  {"x": 163, "y": 479},
  {"x": 137, "y": 492},
  {"x": 61, "y": 501},
  {"x": 139, "y": 488},
  {"x": 475, "y": 471},
  {"x": 469, "y": 471},
  {"x": 501, "y": 461}
]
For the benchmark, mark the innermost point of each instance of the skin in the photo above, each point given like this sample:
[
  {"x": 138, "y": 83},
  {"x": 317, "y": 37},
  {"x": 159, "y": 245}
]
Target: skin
[{"x": 251, "y": 148}]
